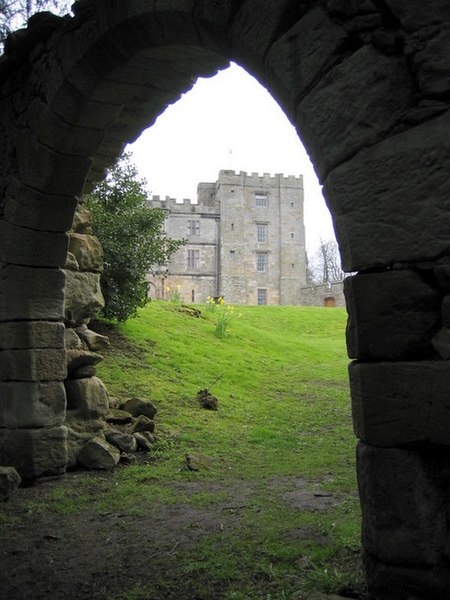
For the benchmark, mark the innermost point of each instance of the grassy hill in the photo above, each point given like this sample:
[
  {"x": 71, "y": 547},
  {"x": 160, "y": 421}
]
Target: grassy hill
[{"x": 284, "y": 420}]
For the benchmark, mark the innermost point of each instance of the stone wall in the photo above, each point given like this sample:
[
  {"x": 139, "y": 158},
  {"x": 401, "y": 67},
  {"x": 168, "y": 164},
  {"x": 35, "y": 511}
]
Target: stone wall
[
  {"x": 366, "y": 84},
  {"x": 326, "y": 294}
]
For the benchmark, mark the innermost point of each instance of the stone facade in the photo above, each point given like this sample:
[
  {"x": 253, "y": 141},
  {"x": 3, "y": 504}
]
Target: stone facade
[
  {"x": 366, "y": 83},
  {"x": 245, "y": 241}
]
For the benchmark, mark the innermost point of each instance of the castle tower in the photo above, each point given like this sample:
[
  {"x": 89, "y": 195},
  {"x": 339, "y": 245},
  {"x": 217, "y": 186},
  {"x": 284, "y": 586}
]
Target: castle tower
[{"x": 245, "y": 240}]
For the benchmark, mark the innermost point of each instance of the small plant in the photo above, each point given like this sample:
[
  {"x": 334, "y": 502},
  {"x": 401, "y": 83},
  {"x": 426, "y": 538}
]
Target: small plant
[
  {"x": 174, "y": 294},
  {"x": 213, "y": 303},
  {"x": 225, "y": 317}
]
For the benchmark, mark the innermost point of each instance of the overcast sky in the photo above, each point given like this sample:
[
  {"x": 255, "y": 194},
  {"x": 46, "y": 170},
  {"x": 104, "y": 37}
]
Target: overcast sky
[{"x": 227, "y": 122}]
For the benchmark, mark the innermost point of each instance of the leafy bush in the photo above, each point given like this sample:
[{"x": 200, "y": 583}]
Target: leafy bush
[{"x": 132, "y": 238}]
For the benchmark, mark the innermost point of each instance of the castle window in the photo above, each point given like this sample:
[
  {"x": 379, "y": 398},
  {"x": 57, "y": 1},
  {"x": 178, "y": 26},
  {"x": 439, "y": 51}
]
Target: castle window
[
  {"x": 193, "y": 259},
  {"x": 261, "y": 262},
  {"x": 292, "y": 236},
  {"x": 232, "y": 226},
  {"x": 260, "y": 199},
  {"x": 261, "y": 233},
  {"x": 261, "y": 296},
  {"x": 194, "y": 227},
  {"x": 192, "y": 295}
]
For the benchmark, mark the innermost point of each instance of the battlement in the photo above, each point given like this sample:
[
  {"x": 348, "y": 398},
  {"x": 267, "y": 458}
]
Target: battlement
[
  {"x": 242, "y": 177},
  {"x": 173, "y": 206}
]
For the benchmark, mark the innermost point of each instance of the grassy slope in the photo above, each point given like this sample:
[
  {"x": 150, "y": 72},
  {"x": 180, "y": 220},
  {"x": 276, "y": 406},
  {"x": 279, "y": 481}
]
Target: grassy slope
[{"x": 283, "y": 412}]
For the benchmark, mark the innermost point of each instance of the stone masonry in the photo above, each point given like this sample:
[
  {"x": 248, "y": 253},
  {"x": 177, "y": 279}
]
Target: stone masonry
[
  {"x": 245, "y": 241},
  {"x": 366, "y": 83}
]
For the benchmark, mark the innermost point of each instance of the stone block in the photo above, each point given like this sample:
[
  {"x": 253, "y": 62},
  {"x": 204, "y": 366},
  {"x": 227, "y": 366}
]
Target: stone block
[
  {"x": 404, "y": 504},
  {"x": 77, "y": 357},
  {"x": 125, "y": 442},
  {"x": 401, "y": 402},
  {"x": 87, "y": 396},
  {"x": 432, "y": 65},
  {"x": 9, "y": 482},
  {"x": 389, "y": 202},
  {"x": 34, "y": 452},
  {"x": 97, "y": 453},
  {"x": 137, "y": 407},
  {"x": 333, "y": 135},
  {"x": 393, "y": 315},
  {"x": 23, "y": 246},
  {"x": 297, "y": 59},
  {"x": 21, "y": 335},
  {"x": 32, "y": 404},
  {"x": 72, "y": 340},
  {"x": 84, "y": 299},
  {"x": 256, "y": 26},
  {"x": 394, "y": 582},
  {"x": 31, "y": 294},
  {"x": 416, "y": 14},
  {"x": 87, "y": 250},
  {"x": 94, "y": 341},
  {"x": 45, "y": 212},
  {"x": 47, "y": 171},
  {"x": 45, "y": 364},
  {"x": 82, "y": 221}
]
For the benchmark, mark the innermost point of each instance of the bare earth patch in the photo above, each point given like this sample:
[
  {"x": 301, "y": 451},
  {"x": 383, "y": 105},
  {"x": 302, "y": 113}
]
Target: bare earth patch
[{"x": 92, "y": 555}]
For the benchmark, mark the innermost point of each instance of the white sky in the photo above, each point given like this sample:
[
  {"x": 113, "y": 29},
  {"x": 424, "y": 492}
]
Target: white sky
[{"x": 227, "y": 122}]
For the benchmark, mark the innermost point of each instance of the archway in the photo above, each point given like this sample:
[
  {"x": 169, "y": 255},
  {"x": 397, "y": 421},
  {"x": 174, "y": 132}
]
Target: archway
[{"x": 367, "y": 87}]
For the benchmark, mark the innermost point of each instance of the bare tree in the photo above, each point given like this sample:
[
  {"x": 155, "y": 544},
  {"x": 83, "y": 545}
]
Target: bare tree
[
  {"x": 327, "y": 263},
  {"x": 15, "y": 13}
]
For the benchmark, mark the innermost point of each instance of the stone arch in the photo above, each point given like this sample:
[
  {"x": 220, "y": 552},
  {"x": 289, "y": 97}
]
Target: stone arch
[
  {"x": 329, "y": 302},
  {"x": 366, "y": 84}
]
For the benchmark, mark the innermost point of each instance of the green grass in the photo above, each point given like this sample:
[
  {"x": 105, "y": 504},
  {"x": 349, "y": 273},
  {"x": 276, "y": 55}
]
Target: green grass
[{"x": 284, "y": 413}]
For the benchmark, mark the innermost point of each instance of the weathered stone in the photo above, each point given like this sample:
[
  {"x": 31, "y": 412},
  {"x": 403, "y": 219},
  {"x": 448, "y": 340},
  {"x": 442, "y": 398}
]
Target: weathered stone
[
  {"x": 413, "y": 530},
  {"x": 43, "y": 169},
  {"x": 199, "y": 462},
  {"x": 384, "y": 209},
  {"x": 441, "y": 342},
  {"x": 76, "y": 358},
  {"x": 21, "y": 335},
  {"x": 71, "y": 263},
  {"x": 82, "y": 221},
  {"x": 72, "y": 340},
  {"x": 119, "y": 417},
  {"x": 84, "y": 298},
  {"x": 145, "y": 440},
  {"x": 137, "y": 407},
  {"x": 125, "y": 442},
  {"x": 94, "y": 341},
  {"x": 34, "y": 452},
  {"x": 27, "y": 293},
  {"x": 397, "y": 403},
  {"x": 300, "y": 56},
  {"x": 87, "y": 250},
  {"x": 83, "y": 372},
  {"x": 31, "y": 404},
  {"x": 392, "y": 315},
  {"x": 331, "y": 135},
  {"x": 9, "y": 482},
  {"x": 45, "y": 212},
  {"x": 96, "y": 453},
  {"x": 397, "y": 582},
  {"x": 143, "y": 423},
  {"x": 415, "y": 14},
  {"x": 33, "y": 365},
  {"x": 432, "y": 64},
  {"x": 23, "y": 246},
  {"x": 88, "y": 396}
]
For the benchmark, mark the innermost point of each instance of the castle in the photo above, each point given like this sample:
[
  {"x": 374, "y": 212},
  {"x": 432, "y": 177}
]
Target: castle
[{"x": 245, "y": 241}]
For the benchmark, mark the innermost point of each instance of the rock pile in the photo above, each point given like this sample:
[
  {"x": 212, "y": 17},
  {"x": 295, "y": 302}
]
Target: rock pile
[{"x": 100, "y": 429}]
